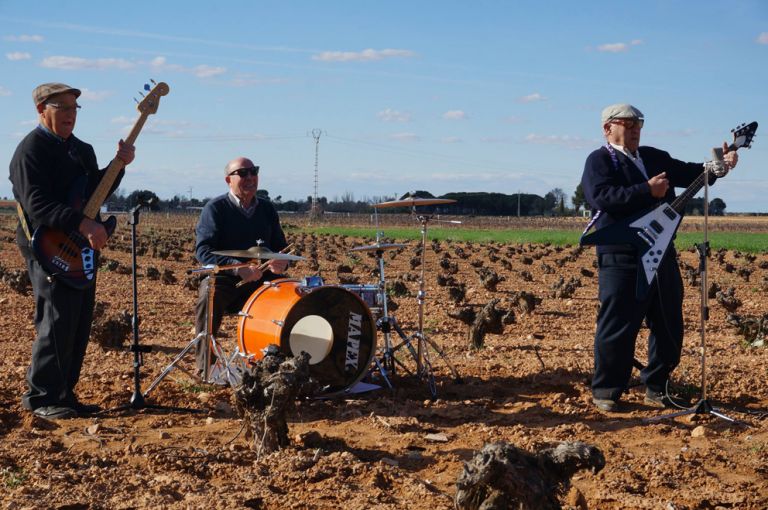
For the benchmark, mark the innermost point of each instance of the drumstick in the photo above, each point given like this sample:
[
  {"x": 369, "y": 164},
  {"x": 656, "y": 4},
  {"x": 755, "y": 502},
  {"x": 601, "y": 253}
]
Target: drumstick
[{"x": 263, "y": 265}]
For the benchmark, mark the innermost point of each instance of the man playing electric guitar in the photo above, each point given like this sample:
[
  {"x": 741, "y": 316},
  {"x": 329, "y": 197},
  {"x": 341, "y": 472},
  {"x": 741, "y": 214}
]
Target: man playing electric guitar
[
  {"x": 622, "y": 179},
  {"x": 50, "y": 170}
]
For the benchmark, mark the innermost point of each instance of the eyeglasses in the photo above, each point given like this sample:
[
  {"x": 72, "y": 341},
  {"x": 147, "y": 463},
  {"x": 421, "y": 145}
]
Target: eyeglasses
[
  {"x": 65, "y": 109},
  {"x": 242, "y": 172},
  {"x": 629, "y": 123}
]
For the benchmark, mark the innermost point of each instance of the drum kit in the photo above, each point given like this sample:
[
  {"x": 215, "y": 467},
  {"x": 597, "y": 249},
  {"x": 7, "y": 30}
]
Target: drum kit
[{"x": 335, "y": 324}]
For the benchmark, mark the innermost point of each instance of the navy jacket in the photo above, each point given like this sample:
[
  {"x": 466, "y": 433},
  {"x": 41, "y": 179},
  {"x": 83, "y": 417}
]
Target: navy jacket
[
  {"x": 222, "y": 226},
  {"x": 624, "y": 193}
]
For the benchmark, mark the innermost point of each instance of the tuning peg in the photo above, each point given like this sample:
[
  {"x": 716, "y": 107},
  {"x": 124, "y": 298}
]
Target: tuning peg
[
  {"x": 137, "y": 101},
  {"x": 141, "y": 94},
  {"x": 153, "y": 81},
  {"x": 147, "y": 87}
]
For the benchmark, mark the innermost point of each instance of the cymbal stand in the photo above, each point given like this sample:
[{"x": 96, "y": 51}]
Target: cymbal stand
[
  {"x": 229, "y": 366},
  {"x": 703, "y": 406},
  {"x": 423, "y": 343}
]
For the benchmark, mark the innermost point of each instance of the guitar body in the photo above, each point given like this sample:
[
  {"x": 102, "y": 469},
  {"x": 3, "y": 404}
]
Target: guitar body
[
  {"x": 650, "y": 233},
  {"x": 68, "y": 256}
]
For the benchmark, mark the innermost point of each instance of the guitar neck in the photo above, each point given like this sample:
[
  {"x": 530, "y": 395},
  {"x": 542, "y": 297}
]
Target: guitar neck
[{"x": 101, "y": 193}]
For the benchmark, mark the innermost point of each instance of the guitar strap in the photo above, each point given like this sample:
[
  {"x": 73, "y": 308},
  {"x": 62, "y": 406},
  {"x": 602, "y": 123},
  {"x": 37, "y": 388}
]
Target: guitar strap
[
  {"x": 23, "y": 221},
  {"x": 615, "y": 162}
]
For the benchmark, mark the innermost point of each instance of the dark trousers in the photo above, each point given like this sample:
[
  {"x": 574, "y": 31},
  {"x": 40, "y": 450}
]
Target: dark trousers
[
  {"x": 227, "y": 298},
  {"x": 63, "y": 319},
  {"x": 620, "y": 317}
]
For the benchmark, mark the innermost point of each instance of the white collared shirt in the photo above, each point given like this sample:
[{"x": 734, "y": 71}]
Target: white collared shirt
[
  {"x": 637, "y": 160},
  {"x": 247, "y": 210}
]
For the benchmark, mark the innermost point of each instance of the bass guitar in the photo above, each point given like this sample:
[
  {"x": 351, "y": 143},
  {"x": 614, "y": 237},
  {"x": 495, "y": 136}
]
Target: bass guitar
[
  {"x": 68, "y": 256},
  {"x": 652, "y": 232}
]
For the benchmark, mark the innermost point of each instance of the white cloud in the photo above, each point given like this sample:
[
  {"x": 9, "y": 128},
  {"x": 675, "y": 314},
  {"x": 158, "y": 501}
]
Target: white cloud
[
  {"x": 24, "y": 38},
  {"x": 95, "y": 95},
  {"x": 514, "y": 119},
  {"x": 5, "y": 92},
  {"x": 206, "y": 71},
  {"x": 618, "y": 47},
  {"x": 160, "y": 64},
  {"x": 390, "y": 115},
  {"x": 532, "y": 98},
  {"x": 455, "y": 115},
  {"x": 571, "y": 142},
  {"x": 763, "y": 38},
  {"x": 451, "y": 139},
  {"x": 18, "y": 55},
  {"x": 76, "y": 63},
  {"x": 405, "y": 137},
  {"x": 250, "y": 81},
  {"x": 367, "y": 55}
]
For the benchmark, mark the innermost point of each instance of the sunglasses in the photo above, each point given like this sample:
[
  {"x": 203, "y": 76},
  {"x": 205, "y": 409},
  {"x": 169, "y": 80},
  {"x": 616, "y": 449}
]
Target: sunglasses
[
  {"x": 629, "y": 123},
  {"x": 242, "y": 172}
]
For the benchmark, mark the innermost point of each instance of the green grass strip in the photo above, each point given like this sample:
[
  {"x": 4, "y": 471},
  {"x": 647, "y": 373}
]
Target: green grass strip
[{"x": 742, "y": 241}]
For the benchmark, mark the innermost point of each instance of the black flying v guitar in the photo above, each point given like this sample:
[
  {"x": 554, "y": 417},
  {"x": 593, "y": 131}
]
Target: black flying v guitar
[
  {"x": 68, "y": 255},
  {"x": 651, "y": 232}
]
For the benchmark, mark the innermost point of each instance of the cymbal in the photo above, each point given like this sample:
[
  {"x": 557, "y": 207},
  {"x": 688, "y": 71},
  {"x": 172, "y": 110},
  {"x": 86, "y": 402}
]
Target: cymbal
[
  {"x": 258, "y": 252},
  {"x": 415, "y": 202},
  {"x": 379, "y": 247}
]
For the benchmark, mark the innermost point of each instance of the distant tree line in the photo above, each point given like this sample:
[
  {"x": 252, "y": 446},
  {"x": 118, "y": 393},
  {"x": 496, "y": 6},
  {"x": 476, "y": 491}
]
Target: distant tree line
[{"x": 479, "y": 203}]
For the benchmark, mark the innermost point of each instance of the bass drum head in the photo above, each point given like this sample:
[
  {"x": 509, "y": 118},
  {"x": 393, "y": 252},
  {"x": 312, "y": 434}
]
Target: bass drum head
[{"x": 336, "y": 329}]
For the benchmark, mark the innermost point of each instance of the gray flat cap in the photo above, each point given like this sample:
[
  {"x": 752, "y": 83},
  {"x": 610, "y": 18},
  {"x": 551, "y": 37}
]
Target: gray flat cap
[
  {"x": 46, "y": 90},
  {"x": 620, "y": 111}
]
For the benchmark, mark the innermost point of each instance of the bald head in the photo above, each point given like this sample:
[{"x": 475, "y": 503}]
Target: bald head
[
  {"x": 242, "y": 184},
  {"x": 236, "y": 163}
]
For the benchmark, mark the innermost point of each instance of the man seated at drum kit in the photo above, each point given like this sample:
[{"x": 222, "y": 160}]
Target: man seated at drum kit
[{"x": 233, "y": 222}]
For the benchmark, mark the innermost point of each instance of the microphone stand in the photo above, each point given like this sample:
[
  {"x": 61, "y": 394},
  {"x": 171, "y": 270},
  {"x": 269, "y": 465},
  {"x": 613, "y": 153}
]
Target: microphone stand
[{"x": 138, "y": 401}]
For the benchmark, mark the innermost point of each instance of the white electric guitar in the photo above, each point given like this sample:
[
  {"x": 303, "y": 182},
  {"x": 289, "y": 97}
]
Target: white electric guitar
[{"x": 651, "y": 233}]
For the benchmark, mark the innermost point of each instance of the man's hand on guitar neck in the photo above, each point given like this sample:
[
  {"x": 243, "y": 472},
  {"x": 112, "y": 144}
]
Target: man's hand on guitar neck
[
  {"x": 94, "y": 232},
  {"x": 729, "y": 157},
  {"x": 125, "y": 152}
]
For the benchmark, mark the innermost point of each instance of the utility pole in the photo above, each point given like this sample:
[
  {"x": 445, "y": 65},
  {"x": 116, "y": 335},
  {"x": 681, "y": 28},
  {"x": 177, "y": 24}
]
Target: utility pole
[{"x": 315, "y": 211}]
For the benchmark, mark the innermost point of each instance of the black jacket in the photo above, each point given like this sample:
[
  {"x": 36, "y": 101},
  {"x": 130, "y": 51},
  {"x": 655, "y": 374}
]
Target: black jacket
[{"x": 624, "y": 192}]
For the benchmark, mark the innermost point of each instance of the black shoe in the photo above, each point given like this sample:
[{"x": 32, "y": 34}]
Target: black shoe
[
  {"x": 86, "y": 409},
  {"x": 55, "y": 412},
  {"x": 662, "y": 400},
  {"x": 605, "y": 404}
]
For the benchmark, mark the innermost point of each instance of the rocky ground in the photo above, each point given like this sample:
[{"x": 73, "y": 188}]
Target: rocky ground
[{"x": 526, "y": 385}]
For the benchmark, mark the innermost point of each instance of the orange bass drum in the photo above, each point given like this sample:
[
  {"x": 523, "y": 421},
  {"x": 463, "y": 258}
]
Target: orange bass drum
[{"x": 331, "y": 324}]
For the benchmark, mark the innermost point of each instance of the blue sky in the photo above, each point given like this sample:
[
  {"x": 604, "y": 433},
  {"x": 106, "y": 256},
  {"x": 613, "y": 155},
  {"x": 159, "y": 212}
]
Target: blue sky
[{"x": 438, "y": 96}]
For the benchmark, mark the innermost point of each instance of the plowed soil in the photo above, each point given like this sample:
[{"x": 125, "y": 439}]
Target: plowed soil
[{"x": 528, "y": 386}]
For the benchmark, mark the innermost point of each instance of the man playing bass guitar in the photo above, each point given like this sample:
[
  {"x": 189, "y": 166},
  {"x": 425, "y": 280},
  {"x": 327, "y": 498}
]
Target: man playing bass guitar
[
  {"x": 622, "y": 179},
  {"x": 51, "y": 171}
]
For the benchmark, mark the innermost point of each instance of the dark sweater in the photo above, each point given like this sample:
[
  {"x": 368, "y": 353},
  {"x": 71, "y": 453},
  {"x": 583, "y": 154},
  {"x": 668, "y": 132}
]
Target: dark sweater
[
  {"x": 52, "y": 179},
  {"x": 223, "y": 226},
  {"x": 624, "y": 193}
]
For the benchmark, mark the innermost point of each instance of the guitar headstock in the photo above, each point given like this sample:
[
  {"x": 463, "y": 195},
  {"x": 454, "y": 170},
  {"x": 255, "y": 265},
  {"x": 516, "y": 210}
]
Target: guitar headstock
[
  {"x": 151, "y": 101},
  {"x": 742, "y": 135}
]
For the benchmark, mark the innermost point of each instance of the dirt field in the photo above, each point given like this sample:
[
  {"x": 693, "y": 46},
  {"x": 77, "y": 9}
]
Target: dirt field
[{"x": 528, "y": 386}]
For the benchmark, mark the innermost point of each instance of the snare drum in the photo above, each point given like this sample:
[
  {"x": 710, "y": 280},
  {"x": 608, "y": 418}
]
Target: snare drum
[
  {"x": 331, "y": 324},
  {"x": 369, "y": 294}
]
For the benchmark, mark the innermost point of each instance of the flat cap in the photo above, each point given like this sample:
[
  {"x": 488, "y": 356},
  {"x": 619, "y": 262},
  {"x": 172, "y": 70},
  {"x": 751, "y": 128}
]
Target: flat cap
[
  {"x": 620, "y": 111},
  {"x": 46, "y": 90}
]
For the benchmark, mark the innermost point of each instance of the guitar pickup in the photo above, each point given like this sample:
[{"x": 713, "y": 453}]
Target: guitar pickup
[
  {"x": 655, "y": 225},
  {"x": 671, "y": 214},
  {"x": 647, "y": 236}
]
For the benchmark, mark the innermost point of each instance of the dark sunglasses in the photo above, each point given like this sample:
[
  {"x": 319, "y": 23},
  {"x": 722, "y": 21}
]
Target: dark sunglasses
[{"x": 242, "y": 172}]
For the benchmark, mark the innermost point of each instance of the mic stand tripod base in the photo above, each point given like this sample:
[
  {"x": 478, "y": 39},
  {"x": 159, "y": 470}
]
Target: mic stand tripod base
[{"x": 703, "y": 406}]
